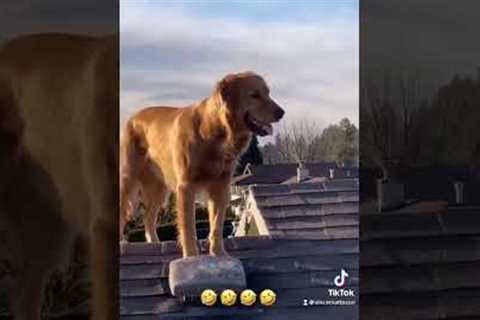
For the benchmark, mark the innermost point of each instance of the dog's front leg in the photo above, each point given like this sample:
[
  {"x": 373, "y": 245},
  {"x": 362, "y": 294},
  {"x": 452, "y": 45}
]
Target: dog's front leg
[
  {"x": 187, "y": 233},
  {"x": 217, "y": 204}
]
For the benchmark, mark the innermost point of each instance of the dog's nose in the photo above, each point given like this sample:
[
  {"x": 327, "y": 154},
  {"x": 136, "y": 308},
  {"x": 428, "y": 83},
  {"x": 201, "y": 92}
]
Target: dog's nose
[{"x": 279, "y": 113}]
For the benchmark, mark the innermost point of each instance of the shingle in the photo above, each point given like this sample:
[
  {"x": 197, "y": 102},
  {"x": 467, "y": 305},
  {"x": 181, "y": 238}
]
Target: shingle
[
  {"x": 319, "y": 234},
  {"x": 319, "y": 197},
  {"x": 421, "y": 265},
  {"x": 450, "y": 304},
  {"x": 307, "y": 210},
  {"x": 423, "y": 277},
  {"x": 144, "y": 287},
  {"x": 413, "y": 224},
  {"x": 420, "y": 250},
  {"x": 144, "y": 271},
  {"x": 149, "y": 305},
  {"x": 293, "y": 269},
  {"x": 273, "y": 248},
  {"x": 302, "y": 312},
  {"x": 310, "y": 210},
  {"x": 294, "y": 264},
  {"x": 313, "y": 222},
  {"x": 317, "y": 227},
  {"x": 319, "y": 279},
  {"x": 300, "y": 188}
]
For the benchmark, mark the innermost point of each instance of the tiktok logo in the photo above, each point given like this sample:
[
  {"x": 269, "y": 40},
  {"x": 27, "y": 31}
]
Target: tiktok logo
[
  {"x": 340, "y": 281},
  {"x": 341, "y": 278}
]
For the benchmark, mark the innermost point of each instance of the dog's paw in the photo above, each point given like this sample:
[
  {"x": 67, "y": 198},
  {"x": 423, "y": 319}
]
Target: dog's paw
[
  {"x": 220, "y": 252},
  {"x": 123, "y": 243},
  {"x": 191, "y": 252}
]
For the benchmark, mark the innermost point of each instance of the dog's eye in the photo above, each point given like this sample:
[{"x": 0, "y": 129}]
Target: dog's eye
[{"x": 255, "y": 95}]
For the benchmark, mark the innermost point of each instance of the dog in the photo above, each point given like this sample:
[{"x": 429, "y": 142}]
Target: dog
[
  {"x": 60, "y": 96},
  {"x": 195, "y": 149}
]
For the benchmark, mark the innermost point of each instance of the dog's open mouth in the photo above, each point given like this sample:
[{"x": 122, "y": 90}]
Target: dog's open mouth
[{"x": 258, "y": 127}]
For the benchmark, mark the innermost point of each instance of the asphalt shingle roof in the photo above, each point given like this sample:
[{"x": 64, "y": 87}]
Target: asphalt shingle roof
[
  {"x": 294, "y": 269},
  {"x": 278, "y": 173},
  {"x": 313, "y": 235},
  {"x": 420, "y": 265},
  {"x": 307, "y": 210}
]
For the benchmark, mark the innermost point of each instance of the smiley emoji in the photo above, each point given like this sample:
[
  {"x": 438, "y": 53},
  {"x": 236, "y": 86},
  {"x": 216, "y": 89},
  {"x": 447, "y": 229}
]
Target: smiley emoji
[
  {"x": 208, "y": 297},
  {"x": 248, "y": 297},
  {"x": 228, "y": 297},
  {"x": 268, "y": 297}
]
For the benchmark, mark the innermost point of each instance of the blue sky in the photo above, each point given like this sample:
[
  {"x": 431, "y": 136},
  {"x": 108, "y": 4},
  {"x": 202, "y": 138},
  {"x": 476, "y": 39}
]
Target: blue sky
[
  {"x": 173, "y": 52},
  {"x": 269, "y": 11},
  {"x": 255, "y": 11}
]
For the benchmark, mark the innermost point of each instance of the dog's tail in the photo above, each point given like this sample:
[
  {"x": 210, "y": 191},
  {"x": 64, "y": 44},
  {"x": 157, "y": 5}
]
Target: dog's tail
[{"x": 132, "y": 158}]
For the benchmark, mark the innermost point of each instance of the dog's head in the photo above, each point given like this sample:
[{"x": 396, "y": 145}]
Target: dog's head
[{"x": 247, "y": 100}]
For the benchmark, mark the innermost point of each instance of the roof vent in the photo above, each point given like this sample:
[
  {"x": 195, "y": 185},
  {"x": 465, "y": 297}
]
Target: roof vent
[
  {"x": 332, "y": 173},
  {"x": 302, "y": 172},
  {"x": 458, "y": 186}
]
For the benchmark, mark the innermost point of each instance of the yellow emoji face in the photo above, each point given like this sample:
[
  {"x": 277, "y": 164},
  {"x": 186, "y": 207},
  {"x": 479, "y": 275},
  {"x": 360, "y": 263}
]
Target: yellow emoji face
[
  {"x": 268, "y": 297},
  {"x": 248, "y": 297},
  {"x": 228, "y": 297},
  {"x": 208, "y": 297}
]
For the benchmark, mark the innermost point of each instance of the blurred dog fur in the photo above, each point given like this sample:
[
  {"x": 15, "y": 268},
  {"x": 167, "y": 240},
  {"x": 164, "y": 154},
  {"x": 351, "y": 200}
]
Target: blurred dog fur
[
  {"x": 195, "y": 149},
  {"x": 58, "y": 163}
]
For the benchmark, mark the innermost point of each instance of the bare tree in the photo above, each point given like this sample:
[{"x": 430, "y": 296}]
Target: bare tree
[
  {"x": 296, "y": 141},
  {"x": 378, "y": 128},
  {"x": 390, "y": 113},
  {"x": 305, "y": 141}
]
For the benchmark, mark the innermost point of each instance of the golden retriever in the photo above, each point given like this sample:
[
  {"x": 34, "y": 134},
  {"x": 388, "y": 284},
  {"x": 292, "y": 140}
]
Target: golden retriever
[
  {"x": 59, "y": 169},
  {"x": 195, "y": 149}
]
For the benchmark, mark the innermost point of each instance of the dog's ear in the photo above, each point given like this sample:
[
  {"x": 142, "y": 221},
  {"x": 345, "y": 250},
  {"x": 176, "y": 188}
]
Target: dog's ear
[{"x": 226, "y": 88}]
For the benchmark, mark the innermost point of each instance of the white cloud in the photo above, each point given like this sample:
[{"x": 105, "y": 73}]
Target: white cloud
[{"x": 171, "y": 57}]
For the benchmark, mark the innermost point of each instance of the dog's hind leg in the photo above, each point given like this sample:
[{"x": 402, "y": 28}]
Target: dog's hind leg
[
  {"x": 155, "y": 195},
  {"x": 128, "y": 202},
  {"x": 150, "y": 222}
]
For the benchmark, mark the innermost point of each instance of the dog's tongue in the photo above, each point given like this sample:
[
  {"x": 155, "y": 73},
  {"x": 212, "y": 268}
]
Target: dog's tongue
[{"x": 268, "y": 128}]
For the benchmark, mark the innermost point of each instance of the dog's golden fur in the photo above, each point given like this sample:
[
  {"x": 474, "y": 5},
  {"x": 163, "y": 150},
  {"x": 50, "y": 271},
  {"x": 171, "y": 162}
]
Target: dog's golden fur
[
  {"x": 195, "y": 149},
  {"x": 150, "y": 188},
  {"x": 59, "y": 168}
]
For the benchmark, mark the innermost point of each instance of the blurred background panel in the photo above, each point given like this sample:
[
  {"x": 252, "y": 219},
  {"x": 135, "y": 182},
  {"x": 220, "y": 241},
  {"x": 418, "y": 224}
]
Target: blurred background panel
[
  {"x": 30, "y": 196},
  {"x": 419, "y": 159}
]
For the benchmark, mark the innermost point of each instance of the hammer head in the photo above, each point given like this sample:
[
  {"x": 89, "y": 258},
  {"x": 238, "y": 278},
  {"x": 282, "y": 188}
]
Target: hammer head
[{"x": 189, "y": 276}]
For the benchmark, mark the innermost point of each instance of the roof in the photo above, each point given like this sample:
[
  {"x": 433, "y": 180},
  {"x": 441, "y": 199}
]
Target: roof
[
  {"x": 429, "y": 183},
  {"x": 421, "y": 265},
  {"x": 437, "y": 183},
  {"x": 294, "y": 269},
  {"x": 313, "y": 235},
  {"x": 278, "y": 173},
  {"x": 309, "y": 179},
  {"x": 306, "y": 210}
]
